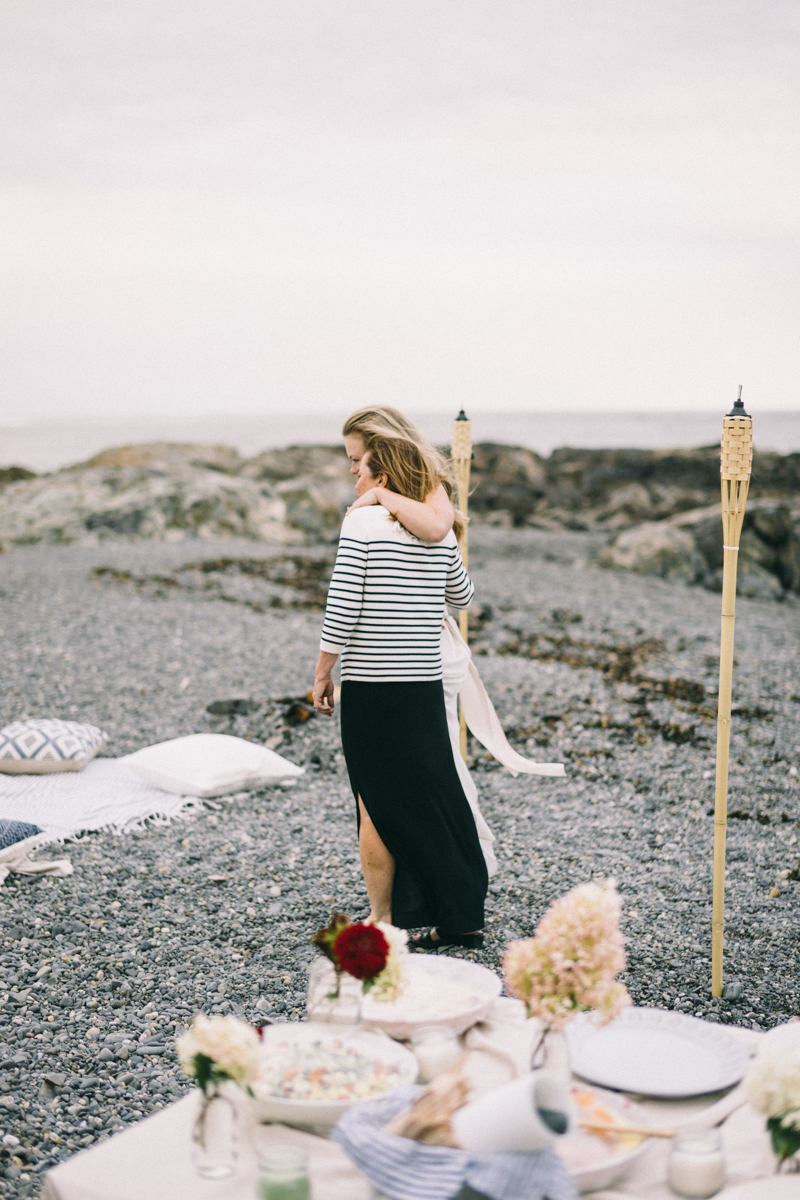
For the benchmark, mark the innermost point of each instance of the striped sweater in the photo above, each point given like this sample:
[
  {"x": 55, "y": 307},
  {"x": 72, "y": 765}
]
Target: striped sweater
[{"x": 386, "y": 602}]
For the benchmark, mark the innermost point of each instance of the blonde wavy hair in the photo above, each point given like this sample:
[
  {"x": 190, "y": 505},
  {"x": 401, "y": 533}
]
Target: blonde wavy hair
[{"x": 381, "y": 426}]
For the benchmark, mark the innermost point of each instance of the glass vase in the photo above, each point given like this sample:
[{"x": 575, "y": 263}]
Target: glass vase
[
  {"x": 556, "y": 1055},
  {"x": 326, "y": 1002},
  {"x": 215, "y": 1137}
]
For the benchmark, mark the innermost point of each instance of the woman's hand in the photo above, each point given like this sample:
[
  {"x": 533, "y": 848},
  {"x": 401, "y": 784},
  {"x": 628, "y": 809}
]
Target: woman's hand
[
  {"x": 323, "y": 696},
  {"x": 323, "y": 684},
  {"x": 369, "y": 497},
  {"x": 430, "y": 519}
]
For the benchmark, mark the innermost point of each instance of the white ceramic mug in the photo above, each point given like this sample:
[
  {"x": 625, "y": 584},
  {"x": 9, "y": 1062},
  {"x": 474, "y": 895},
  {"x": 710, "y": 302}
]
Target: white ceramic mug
[{"x": 508, "y": 1117}]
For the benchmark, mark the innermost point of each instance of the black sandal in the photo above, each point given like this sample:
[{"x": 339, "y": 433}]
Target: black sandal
[{"x": 469, "y": 941}]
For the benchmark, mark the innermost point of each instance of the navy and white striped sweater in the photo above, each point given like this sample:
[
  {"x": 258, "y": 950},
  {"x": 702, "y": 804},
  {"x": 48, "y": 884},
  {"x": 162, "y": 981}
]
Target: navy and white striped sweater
[{"x": 386, "y": 601}]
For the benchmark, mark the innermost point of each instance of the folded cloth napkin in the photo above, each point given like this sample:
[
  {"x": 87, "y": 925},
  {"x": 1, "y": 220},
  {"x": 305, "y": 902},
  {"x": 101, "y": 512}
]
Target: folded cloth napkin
[{"x": 406, "y": 1170}]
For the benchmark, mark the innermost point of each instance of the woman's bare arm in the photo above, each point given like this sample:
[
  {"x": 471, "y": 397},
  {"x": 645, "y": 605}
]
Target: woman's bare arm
[{"x": 430, "y": 519}]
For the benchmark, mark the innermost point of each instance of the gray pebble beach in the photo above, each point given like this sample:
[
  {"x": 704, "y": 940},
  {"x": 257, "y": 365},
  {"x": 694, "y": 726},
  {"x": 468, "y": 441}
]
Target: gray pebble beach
[{"x": 613, "y": 673}]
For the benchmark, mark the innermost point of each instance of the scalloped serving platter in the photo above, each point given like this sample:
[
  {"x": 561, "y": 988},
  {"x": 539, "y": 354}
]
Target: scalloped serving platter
[{"x": 654, "y": 1052}]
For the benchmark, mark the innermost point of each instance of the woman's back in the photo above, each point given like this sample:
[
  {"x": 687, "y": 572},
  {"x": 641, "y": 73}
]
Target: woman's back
[{"x": 387, "y": 599}]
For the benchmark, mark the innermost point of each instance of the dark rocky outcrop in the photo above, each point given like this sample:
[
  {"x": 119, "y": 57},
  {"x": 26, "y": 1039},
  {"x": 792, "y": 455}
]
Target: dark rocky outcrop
[
  {"x": 689, "y": 546},
  {"x": 611, "y": 489},
  {"x": 14, "y": 474},
  {"x": 661, "y": 508},
  {"x": 508, "y": 483}
]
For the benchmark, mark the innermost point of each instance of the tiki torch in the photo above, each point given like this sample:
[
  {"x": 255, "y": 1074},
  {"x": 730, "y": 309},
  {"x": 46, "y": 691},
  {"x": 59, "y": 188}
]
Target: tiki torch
[
  {"x": 736, "y": 457},
  {"x": 461, "y": 454}
]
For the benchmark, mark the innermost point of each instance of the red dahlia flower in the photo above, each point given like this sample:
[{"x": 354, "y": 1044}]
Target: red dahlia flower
[{"x": 361, "y": 950}]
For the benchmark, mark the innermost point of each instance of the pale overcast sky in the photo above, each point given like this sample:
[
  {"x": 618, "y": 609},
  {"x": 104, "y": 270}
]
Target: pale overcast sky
[{"x": 257, "y": 206}]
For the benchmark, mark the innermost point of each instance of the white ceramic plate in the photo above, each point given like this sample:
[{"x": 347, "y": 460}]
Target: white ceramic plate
[
  {"x": 440, "y": 991},
  {"x": 653, "y": 1052},
  {"x": 323, "y": 1114},
  {"x": 591, "y": 1162}
]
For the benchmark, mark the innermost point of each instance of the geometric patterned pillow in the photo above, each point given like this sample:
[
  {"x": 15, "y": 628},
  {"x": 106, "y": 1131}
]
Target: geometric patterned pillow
[
  {"x": 40, "y": 747},
  {"x": 12, "y": 832}
]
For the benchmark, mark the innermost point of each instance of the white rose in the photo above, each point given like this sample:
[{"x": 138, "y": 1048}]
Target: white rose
[
  {"x": 232, "y": 1044},
  {"x": 392, "y": 979},
  {"x": 773, "y": 1080}
]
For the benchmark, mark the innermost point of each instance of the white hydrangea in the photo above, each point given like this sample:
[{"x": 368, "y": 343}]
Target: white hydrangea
[
  {"x": 392, "y": 979},
  {"x": 232, "y": 1044},
  {"x": 773, "y": 1080}
]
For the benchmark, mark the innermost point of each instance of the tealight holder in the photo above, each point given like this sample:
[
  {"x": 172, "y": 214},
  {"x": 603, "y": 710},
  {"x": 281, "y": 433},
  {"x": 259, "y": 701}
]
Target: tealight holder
[{"x": 696, "y": 1165}]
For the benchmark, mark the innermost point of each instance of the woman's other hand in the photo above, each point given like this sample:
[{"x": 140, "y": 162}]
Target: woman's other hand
[
  {"x": 323, "y": 684},
  {"x": 323, "y": 696},
  {"x": 369, "y": 497}
]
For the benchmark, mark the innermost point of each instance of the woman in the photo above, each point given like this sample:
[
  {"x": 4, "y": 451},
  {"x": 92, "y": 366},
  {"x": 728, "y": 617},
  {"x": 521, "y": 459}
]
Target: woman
[
  {"x": 429, "y": 519},
  {"x": 419, "y": 846}
]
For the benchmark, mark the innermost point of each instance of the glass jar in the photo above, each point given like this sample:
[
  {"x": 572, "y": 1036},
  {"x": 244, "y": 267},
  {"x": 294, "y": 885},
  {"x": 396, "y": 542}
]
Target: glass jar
[
  {"x": 215, "y": 1147},
  {"x": 283, "y": 1174},
  {"x": 437, "y": 1049},
  {"x": 326, "y": 1002},
  {"x": 696, "y": 1165}
]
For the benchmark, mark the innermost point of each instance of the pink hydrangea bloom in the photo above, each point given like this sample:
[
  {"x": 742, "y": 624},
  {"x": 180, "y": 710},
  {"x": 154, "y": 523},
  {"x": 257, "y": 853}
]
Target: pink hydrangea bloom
[{"x": 571, "y": 962}]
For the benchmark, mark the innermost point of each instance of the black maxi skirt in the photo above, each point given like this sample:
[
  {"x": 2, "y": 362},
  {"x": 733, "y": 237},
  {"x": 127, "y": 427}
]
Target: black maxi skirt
[{"x": 400, "y": 762}]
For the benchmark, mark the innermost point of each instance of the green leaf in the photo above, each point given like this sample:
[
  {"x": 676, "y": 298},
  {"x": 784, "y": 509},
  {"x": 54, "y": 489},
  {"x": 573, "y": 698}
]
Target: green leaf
[
  {"x": 785, "y": 1138},
  {"x": 203, "y": 1072},
  {"x": 324, "y": 938},
  {"x": 208, "y": 1073}
]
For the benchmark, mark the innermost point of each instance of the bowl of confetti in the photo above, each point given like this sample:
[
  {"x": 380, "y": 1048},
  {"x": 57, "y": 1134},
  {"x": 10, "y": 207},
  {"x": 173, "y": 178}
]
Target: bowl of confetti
[
  {"x": 310, "y": 1073},
  {"x": 439, "y": 990}
]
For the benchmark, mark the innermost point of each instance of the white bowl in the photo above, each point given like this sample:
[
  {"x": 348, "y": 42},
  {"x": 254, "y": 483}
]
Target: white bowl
[
  {"x": 432, "y": 980},
  {"x": 323, "y": 1114},
  {"x": 591, "y": 1176}
]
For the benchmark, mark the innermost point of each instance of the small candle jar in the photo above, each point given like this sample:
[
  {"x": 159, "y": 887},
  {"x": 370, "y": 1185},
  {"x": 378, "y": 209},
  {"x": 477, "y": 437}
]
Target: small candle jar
[
  {"x": 284, "y": 1174},
  {"x": 696, "y": 1165},
  {"x": 437, "y": 1049}
]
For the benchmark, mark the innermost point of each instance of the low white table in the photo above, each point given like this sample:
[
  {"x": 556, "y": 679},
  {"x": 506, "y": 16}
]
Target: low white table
[{"x": 152, "y": 1160}]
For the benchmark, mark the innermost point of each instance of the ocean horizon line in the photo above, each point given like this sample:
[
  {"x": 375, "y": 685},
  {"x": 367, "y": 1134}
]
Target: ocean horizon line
[{"x": 50, "y": 445}]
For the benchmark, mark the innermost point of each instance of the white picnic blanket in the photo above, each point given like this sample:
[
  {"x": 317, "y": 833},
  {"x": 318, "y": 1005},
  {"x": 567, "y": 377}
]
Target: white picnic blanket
[{"x": 104, "y": 795}]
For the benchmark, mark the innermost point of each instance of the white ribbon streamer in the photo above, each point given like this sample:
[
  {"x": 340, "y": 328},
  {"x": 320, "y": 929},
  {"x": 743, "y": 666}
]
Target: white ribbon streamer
[{"x": 483, "y": 722}]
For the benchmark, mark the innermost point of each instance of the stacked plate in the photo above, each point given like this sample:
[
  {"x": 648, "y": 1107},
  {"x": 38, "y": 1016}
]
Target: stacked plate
[{"x": 653, "y": 1052}]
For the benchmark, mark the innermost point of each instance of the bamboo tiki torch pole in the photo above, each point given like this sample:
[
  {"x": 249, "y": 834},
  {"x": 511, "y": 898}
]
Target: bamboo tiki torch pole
[
  {"x": 461, "y": 454},
  {"x": 736, "y": 457}
]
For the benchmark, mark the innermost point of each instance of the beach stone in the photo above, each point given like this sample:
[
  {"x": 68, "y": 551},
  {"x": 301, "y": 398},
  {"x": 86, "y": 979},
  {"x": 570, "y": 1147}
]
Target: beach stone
[{"x": 655, "y": 548}]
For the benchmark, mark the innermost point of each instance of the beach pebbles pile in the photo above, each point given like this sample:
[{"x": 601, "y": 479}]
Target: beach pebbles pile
[{"x": 615, "y": 675}]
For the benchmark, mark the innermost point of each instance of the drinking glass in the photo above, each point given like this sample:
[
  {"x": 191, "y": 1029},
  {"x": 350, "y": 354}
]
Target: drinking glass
[{"x": 284, "y": 1174}]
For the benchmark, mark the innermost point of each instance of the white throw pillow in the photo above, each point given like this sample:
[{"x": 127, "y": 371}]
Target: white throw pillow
[
  {"x": 210, "y": 764},
  {"x": 44, "y": 745}
]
